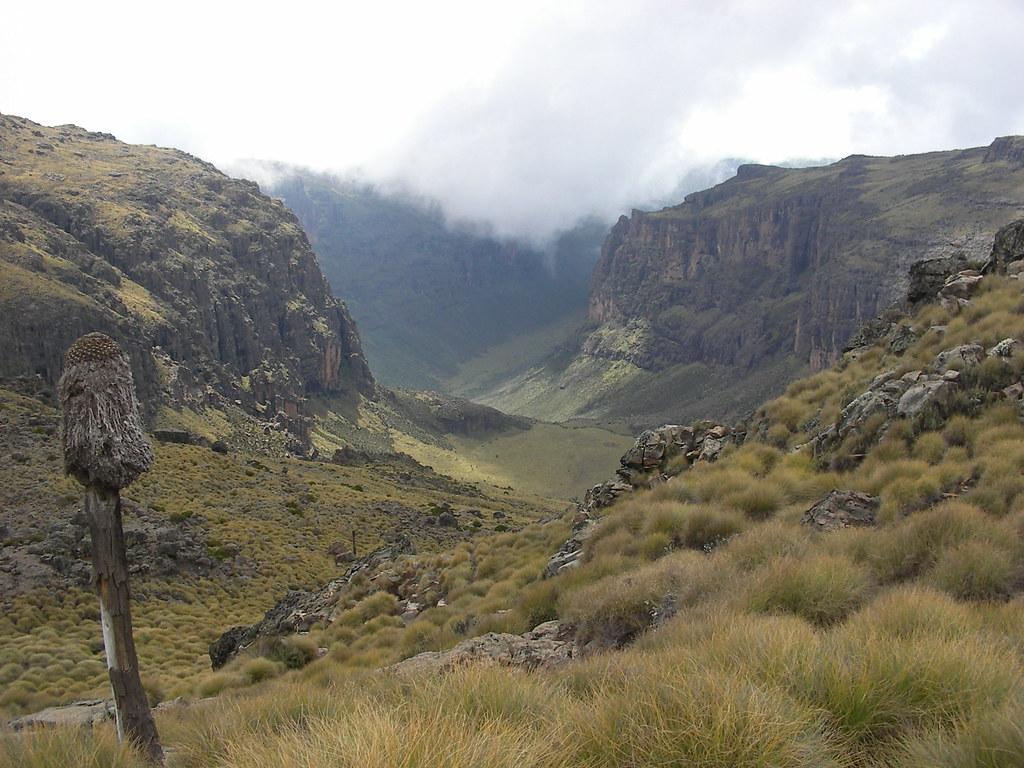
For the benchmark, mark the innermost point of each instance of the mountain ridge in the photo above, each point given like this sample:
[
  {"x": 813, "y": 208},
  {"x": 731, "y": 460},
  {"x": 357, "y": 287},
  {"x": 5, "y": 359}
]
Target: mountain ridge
[{"x": 212, "y": 287}]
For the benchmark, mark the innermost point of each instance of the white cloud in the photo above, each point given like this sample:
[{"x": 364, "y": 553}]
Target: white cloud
[{"x": 526, "y": 114}]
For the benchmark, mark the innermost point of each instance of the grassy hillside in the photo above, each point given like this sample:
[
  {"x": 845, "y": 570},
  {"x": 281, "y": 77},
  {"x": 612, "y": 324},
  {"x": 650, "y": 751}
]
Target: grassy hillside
[
  {"x": 717, "y": 629},
  {"x": 245, "y": 527}
]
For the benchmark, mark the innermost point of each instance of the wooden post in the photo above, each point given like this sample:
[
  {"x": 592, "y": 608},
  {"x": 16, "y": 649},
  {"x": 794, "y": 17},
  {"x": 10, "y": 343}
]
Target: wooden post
[
  {"x": 106, "y": 449},
  {"x": 354, "y": 553}
]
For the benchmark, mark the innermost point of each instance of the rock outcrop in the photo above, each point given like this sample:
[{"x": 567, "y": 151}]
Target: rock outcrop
[
  {"x": 795, "y": 260},
  {"x": 211, "y": 287},
  {"x": 299, "y": 610},
  {"x": 842, "y": 509},
  {"x": 656, "y": 455}
]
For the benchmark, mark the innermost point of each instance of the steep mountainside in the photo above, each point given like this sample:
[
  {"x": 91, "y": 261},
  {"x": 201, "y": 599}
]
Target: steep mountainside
[
  {"x": 211, "y": 286},
  {"x": 430, "y": 296},
  {"x": 710, "y": 306}
]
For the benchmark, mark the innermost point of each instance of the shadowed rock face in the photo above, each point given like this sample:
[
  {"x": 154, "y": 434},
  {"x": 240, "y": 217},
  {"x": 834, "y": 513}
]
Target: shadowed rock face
[{"x": 211, "y": 287}]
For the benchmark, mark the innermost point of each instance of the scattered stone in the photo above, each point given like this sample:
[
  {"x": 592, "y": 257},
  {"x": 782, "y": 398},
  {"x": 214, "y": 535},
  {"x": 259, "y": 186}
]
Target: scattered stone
[{"x": 842, "y": 509}]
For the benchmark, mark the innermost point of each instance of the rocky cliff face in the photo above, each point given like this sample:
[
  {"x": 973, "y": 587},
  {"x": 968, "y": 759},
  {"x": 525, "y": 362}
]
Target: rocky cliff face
[
  {"x": 211, "y": 286},
  {"x": 793, "y": 261}
]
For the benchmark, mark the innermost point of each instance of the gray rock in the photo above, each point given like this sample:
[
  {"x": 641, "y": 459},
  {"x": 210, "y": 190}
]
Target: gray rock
[
  {"x": 1005, "y": 348},
  {"x": 842, "y": 509},
  {"x": 928, "y": 276},
  {"x": 961, "y": 286},
  {"x": 924, "y": 393},
  {"x": 78, "y": 713},
  {"x": 959, "y": 357},
  {"x": 1008, "y": 248},
  {"x": 901, "y": 339},
  {"x": 547, "y": 645}
]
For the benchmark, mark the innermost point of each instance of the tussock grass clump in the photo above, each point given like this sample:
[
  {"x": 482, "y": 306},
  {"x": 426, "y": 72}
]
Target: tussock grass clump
[
  {"x": 975, "y": 571},
  {"x": 260, "y": 669},
  {"x": 911, "y": 611},
  {"x": 63, "y": 747},
  {"x": 692, "y": 526},
  {"x": 988, "y": 740},
  {"x": 615, "y": 609},
  {"x": 683, "y": 715},
  {"x": 822, "y": 589},
  {"x": 648, "y": 529},
  {"x": 877, "y": 689},
  {"x": 913, "y": 546},
  {"x": 771, "y": 540}
]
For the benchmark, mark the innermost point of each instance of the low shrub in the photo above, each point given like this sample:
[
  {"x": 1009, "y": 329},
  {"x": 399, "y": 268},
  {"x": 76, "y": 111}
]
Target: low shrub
[{"x": 294, "y": 652}]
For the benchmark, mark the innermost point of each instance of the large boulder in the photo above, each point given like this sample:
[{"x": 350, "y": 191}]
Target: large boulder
[
  {"x": 545, "y": 646},
  {"x": 1008, "y": 246},
  {"x": 958, "y": 358},
  {"x": 842, "y": 509},
  {"x": 927, "y": 277},
  {"x": 78, "y": 713},
  {"x": 925, "y": 390}
]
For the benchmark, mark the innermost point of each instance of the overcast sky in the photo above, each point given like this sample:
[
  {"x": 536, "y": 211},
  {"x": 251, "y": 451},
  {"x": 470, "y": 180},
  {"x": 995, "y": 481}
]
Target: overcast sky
[{"x": 526, "y": 114}]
